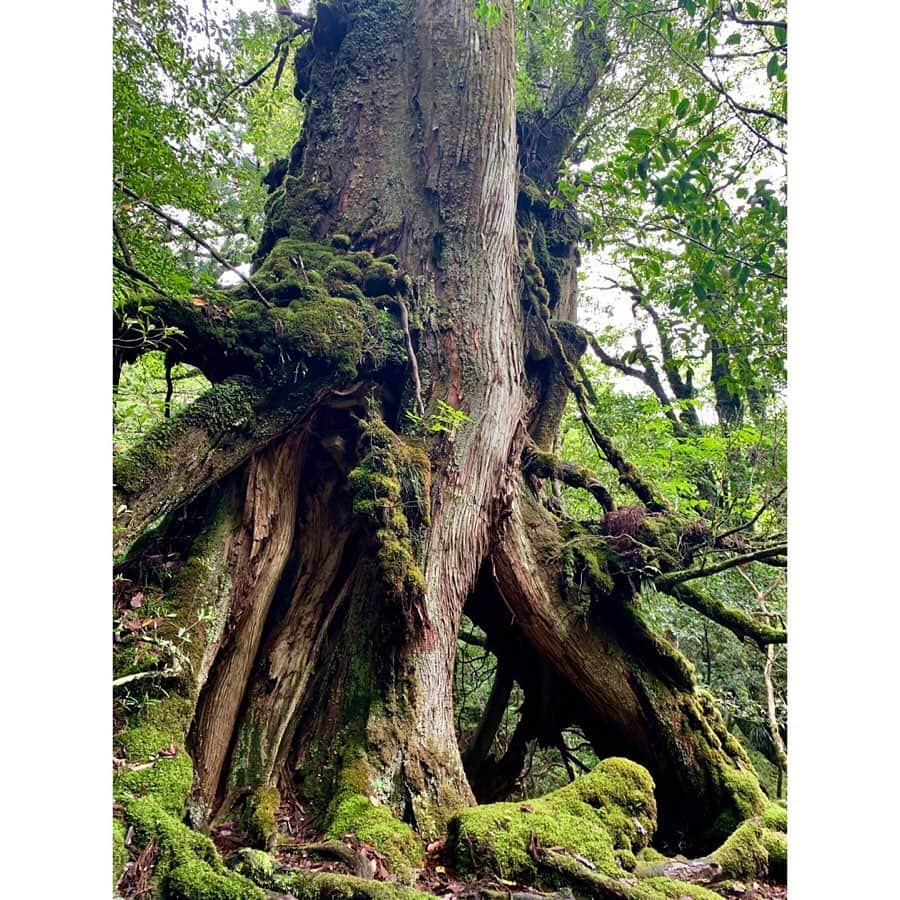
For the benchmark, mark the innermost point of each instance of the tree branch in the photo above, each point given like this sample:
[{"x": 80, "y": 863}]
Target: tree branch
[
  {"x": 672, "y": 578},
  {"x": 277, "y": 51},
  {"x": 134, "y": 274},
  {"x": 545, "y": 465},
  {"x": 192, "y": 235},
  {"x": 735, "y": 620}
]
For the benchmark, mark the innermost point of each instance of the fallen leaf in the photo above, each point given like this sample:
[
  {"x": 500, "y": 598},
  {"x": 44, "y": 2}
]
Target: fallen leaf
[{"x": 137, "y": 600}]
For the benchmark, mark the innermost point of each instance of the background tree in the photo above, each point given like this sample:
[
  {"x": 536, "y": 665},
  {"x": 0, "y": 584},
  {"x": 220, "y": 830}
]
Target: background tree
[{"x": 297, "y": 547}]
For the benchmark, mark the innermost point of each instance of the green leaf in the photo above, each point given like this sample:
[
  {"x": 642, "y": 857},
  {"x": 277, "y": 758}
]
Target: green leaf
[
  {"x": 639, "y": 138},
  {"x": 682, "y": 109},
  {"x": 699, "y": 290},
  {"x": 781, "y": 34},
  {"x": 773, "y": 67},
  {"x": 733, "y": 38}
]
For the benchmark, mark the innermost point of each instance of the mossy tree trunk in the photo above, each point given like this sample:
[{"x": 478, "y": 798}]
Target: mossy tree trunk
[{"x": 347, "y": 514}]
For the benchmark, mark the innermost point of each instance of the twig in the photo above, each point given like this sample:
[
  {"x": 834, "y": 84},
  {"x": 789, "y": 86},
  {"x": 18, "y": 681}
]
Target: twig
[{"x": 171, "y": 672}]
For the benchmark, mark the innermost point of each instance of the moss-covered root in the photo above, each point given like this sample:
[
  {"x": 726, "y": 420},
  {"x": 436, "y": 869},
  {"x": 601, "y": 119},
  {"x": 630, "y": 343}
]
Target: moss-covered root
[
  {"x": 258, "y": 818},
  {"x": 753, "y": 850},
  {"x": 601, "y": 886},
  {"x": 188, "y": 866},
  {"x": 354, "y": 810},
  {"x": 604, "y": 817},
  {"x": 153, "y": 788},
  {"x": 263, "y": 871},
  {"x": 757, "y": 847}
]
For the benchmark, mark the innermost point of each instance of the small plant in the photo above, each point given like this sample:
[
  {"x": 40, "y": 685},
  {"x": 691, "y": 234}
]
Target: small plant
[{"x": 446, "y": 420}]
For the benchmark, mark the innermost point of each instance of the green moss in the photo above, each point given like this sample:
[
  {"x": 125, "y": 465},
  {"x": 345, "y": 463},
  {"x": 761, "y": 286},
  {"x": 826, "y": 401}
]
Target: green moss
[
  {"x": 196, "y": 880},
  {"x": 346, "y": 290},
  {"x": 259, "y": 817},
  {"x": 744, "y": 789},
  {"x": 188, "y": 866},
  {"x": 264, "y": 871},
  {"x": 340, "y": 241},
  {"x": 120, "y": 851},
  {"x": 379, "y": 279},
  {"x": 650, "y": 855},
  {"x": 342, "y": 269},
  {"x": 604, "y": 816},
  {"x": 670, "y": 889},
  {"x": 362, "y": 258},
  {"x": 743, "y": 855},
  {"x": 776, "y": 846},
  {"x": 168, "y": 781},
  {"x": 775, "y": 817},
  {"x": 146, "y": 742},
  {"x": 354, "y": 811},
  {"x": 391, "y": 478}
]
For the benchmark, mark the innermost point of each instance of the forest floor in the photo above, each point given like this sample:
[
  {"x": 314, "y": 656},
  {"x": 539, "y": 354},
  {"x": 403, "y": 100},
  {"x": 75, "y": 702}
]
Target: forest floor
[{"x": 437, "y": 875}]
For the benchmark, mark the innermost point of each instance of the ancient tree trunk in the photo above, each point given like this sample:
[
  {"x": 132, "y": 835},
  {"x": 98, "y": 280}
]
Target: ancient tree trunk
[{"x": 355, "y": 474}]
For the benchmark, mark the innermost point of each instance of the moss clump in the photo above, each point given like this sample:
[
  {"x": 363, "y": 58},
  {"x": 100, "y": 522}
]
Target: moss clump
[
  {"x": 362, "y": 258},
  {"x": 259, "y": 816},
  {"x": 379, "y": 279},
  {"x": 392, "y": 478},
  {"x": 354, "y": 811},
  {"x": 774, "y": 817},
  {"x": 776, "y": 846},
  {"x": 340, "y": 241},
  {"x": 167, "y": 780},
  {"x": 120, "y": 851},
  {"x": 342, "y": 269},
  {"x": 670, "y": 889},
  {"x": 744, "y": 854},
  {"x": 146, "y": 742},
  {"x": 188, "y": 866},
  {"x": 604, "y": 816},
  {"x": 746, "y": 799}
]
